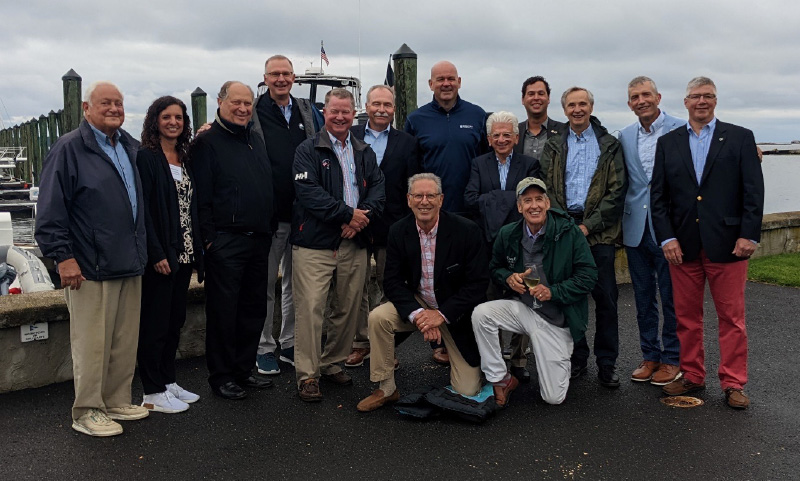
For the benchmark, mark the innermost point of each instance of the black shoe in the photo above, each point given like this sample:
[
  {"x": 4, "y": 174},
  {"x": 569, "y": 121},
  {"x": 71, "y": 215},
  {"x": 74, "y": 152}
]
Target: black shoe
[
  {"x": 608, "y": 376},
  {"x": 577, "y": 370},
  {"x": 256, "y": 382},
  {"x": 521, "y": 374},
  {"x": 229, "y": 390}
]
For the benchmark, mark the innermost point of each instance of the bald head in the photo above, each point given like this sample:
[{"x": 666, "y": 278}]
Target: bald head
[{"x": 445, "y": 83}]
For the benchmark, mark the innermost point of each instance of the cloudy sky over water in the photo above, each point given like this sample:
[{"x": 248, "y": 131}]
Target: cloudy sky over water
[{"x": 152, "y": 48}]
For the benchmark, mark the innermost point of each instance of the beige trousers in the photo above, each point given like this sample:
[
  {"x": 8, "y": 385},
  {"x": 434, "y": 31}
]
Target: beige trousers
[
  {"x": 312, "y": 271},
  {"x": 104, "y": 334},
  {"x": 384, "y": 322},
  {"x": 362, "y": 330}
]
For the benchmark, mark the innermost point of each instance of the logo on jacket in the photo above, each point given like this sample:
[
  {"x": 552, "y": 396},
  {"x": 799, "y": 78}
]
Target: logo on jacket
[
  {"x": 465, "y": 126},
  {"x": 301, "y": 126},
  {"x": 326, "y": 164},
  {"x": 302, "y": 176},
  {"x": 511, "y": 261}
]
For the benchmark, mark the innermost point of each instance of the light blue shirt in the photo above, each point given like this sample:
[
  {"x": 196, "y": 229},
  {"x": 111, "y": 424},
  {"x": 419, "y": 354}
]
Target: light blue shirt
[
  {"x": 699, "y": 145},
  {"x": 646, "y": 143},
  {"x": 535, "y": 236},
  {"x": 121, "y": 161},
  {"x": 344, "y": 152},
  {"x": 286, "y": 110},
  {"x": 502, "y": 170},
  {"x": 583, "y": 152},
  {"x": 377, "y": 140}
]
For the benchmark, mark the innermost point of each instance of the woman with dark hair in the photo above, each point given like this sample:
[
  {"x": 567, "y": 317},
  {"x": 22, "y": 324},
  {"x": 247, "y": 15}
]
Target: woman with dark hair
[{"x": 173, "y": 251}]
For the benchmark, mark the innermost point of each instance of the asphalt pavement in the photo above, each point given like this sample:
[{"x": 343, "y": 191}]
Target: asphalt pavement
[{"x": 597, "y": 434}]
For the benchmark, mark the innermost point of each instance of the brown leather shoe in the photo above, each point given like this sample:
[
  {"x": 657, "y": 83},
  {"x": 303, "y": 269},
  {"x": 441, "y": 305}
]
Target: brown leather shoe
[
  {"x": 309, "y": 391},
  {"x": 736, "y": 398},
  {"x": 396, "y": 364},
  {"x": 440, "y": 356},
  {"x": 376, "y": 400},
  {"x": 682, "y": 386},
  {"x": 341, "y": 378},
  {"x": 357, "y": 357},
  {"x": 645, "y": 371},
  {"x": 502, "y": 394},
  {"x": 666, "y": 374}
]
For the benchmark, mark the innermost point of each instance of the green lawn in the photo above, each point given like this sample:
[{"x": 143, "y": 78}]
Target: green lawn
[{"x": 783, "y": 269}]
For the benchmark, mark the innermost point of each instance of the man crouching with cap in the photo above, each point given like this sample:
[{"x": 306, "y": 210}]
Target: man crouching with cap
[{"x": 554, "y": 312}]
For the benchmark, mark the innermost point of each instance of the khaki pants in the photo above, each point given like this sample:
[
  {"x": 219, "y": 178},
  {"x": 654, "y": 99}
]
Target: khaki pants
[
  {"x": 104, "y": 333},
  {"x": 362, "y": 330},
  {"x": 312, "y": 271},
  {"x": 384, "y": 322}
]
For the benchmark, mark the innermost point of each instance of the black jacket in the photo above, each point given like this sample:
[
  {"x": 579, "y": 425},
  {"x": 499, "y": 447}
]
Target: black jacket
[
  {"x": 162, "y": 219},
  {"x": 233, "y": 177},
  {"x": 319, "y": 208},
  {"x": 491, "y": 207},
  {"x": 400, "y": 161},
  {"x": 83, "y": 211},
  {"x": 460, "y": 274}
]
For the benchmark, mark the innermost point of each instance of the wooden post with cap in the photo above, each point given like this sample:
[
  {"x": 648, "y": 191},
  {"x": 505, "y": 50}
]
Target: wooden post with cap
[
  {"x": 405, "y": 87},
  {"x": 199, "y": 112}
]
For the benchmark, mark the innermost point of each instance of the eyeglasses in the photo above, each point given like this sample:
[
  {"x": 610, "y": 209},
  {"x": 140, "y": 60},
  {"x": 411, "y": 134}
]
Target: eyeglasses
[
  {"x": 428, "y": 197},
  {"x": 504, "y": 135},
  {"x": 277, "y": 75},
  {"x": 703, "y": 96}
]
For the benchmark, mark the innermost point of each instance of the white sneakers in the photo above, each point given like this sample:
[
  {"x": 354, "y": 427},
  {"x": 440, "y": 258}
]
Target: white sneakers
[
  {"x": 96, "y": 423},
  {"x": 182, "y": 394},
  {"x": 164, "y": 402}
]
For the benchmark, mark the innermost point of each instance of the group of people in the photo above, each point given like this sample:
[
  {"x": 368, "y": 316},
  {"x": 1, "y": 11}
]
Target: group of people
[{"x": 477, "y": 224}]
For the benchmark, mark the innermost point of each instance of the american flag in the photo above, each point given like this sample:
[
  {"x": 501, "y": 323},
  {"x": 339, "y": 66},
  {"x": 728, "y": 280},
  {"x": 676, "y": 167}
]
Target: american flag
[{"x": 323, "y": 55}]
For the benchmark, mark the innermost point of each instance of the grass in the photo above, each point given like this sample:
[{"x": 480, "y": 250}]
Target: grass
[{"x": 783, "y": 270}]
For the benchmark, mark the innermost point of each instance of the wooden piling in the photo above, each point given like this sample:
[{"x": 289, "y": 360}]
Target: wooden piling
[
  {"x": 199, "y": 112},
  {"x": 52, "y": 129},
  {"x": 72, "y": 101},
  {"x": 405, "y": 87}
]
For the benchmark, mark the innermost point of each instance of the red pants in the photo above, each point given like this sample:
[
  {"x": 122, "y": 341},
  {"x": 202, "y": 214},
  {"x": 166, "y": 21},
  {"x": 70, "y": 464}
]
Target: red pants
[{"x": 726, "y": 281}]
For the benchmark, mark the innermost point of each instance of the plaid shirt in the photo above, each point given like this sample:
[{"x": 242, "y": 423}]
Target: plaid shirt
[
  {"x": 427, "y": 244},
  {"x": 344, "y": 152}
]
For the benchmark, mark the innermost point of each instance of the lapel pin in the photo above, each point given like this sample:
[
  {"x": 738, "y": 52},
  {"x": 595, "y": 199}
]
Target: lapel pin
[{"x": 721, "y": 139}]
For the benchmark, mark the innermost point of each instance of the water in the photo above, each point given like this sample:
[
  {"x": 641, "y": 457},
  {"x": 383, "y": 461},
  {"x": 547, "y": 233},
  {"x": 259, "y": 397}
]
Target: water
[{"x": 781, "y": 186}]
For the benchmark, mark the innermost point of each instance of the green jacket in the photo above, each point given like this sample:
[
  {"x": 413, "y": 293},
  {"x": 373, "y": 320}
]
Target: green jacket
[
  {"x": 606, "y": 198},
  {"x": 568, "y": 264}
]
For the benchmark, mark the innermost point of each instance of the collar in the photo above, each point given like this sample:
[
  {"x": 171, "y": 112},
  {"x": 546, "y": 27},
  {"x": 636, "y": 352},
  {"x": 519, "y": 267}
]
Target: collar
[
  {"x": 508, "y": 159},
  {"x": 538, "y": 233},
  {"x": 586, "y": 134},
  {"x": 707, "y": 127},
  {"x": 440, "y": 108},
  {"x": 376, "y": 133},
  {"x": 230, "y": 126},
  {"x": 433, "y": 231},
  {"x": 334, "y": 140},
  {"x": 656, "y": 126},
  {"x": 102, "y": 138}
]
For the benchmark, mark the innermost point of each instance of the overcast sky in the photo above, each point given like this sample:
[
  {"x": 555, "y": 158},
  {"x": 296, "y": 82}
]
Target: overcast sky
[{"x": 750, "y": 49}]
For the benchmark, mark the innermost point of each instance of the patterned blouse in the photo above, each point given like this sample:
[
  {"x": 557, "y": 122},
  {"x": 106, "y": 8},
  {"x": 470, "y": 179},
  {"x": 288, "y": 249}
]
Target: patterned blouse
[{"x": 184, "y": 188}]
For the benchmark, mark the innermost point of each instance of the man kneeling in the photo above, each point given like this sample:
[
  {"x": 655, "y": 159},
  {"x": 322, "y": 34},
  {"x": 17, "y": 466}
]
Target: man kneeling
[
  {"x": 545, "y": 261},
  {"x": 436, "y": 273}
]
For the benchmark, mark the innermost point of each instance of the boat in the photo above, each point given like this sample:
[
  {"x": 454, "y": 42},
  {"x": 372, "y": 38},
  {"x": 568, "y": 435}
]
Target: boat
[
  {"x": 15, "y": 194},
  {"x": 20, "y": 267}
]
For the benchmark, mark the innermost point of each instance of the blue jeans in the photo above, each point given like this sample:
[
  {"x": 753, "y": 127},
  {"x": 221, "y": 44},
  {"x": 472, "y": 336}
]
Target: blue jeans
[{"x": 649, "y": 270}]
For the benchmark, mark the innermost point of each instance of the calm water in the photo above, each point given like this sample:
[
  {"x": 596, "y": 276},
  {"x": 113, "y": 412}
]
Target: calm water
[{"x": 781, "y": 176}]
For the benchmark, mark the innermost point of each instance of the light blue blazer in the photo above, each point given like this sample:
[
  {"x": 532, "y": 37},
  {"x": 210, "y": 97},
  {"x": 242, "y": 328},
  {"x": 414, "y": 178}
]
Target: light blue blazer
[{"x": 637, "y": 200}]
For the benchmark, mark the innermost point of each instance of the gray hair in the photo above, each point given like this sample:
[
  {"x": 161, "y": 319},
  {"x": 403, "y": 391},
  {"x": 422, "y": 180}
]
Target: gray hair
[
  {"x": 376, "y": 87},
  {"x": 576, "y": 89},
  {"x": 89, "y": 92},
  {"x": 699, "y": 82},
  {"x": 502, "y": 117},
  {"x": 425, "y": 176},
  {"x": 640, "y": 80},
  {"x": 277, "y": 57},
  {"x": 340, "y": 93},
  {"x": 224, "y": 90}
]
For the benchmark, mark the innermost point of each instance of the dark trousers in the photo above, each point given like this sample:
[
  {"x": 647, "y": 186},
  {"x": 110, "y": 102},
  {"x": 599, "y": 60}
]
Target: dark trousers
[
  {"x": 162, "y": 317},
  {"x": 606, "y": 336},
  {"x": 650, "y": 273},
  {"x": 236, "y": 304}
]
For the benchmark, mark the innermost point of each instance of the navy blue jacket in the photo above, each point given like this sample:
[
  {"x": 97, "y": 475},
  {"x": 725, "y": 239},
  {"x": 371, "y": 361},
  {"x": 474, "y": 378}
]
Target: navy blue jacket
[
  {"x": 449, "y": 141},
  {"x": 319, "y": 208},
  {"x": 84, "y": 212}
]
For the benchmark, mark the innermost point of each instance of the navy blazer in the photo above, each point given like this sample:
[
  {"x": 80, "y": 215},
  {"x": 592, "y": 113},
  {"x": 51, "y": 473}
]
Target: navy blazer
[
  {"x": 726, "y": 205},
  {"x": 460, "y": 274},
  {"x": 637, "y": 200},
  {"x": 490, "y": 206},
  {"x": 400, "y": 161}
]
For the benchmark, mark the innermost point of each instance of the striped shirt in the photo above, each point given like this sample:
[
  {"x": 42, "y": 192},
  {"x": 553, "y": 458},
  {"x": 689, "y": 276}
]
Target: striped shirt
[
  {"x": 583, "y": 152},
  {"x": 344, "y": 152},
  {"x": 502, "y": 170}
]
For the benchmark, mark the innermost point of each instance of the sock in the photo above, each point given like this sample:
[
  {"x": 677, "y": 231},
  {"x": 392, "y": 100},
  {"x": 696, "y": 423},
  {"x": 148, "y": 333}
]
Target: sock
[{"x": 388, "y": 387}]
